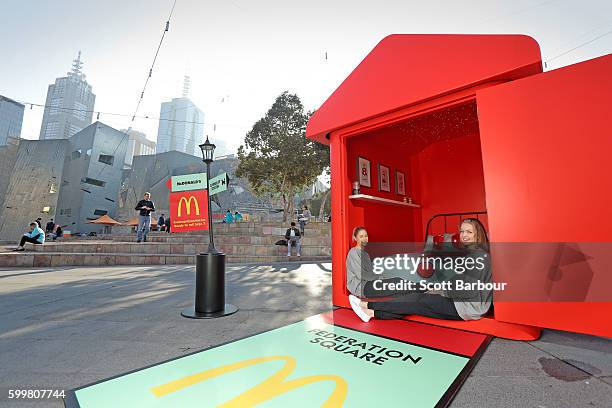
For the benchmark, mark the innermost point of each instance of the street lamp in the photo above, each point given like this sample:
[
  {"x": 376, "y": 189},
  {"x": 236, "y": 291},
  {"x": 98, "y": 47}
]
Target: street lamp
[
  {"x": 210, "y": 265},
  {"x": 208, "y": 152}
]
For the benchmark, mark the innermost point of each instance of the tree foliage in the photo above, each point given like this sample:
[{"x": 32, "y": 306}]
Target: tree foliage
[{"x": 276, "y": 158}]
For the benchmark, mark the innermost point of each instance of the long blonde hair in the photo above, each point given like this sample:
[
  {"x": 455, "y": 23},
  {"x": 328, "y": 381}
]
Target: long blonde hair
[{"x": 482, "y": 240}]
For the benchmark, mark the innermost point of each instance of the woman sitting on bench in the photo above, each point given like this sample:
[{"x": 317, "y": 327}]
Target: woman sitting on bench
[{"x": 451, "y": 303}]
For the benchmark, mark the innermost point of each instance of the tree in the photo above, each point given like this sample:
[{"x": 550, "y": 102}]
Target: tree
[
  {"x": 276, "y": 157},
  {"x": 323, "y": 202}
]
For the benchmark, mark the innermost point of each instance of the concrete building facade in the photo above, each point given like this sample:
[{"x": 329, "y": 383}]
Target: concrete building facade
[
  {"x": 69, "y": 105},
  {"x": 73, "y": 180},
  {"x": 92, "y": 177},
  {"x": 11, "y": 119},
  {"x": 35, "y": 170},
  {"x": 181, "y": 127}
]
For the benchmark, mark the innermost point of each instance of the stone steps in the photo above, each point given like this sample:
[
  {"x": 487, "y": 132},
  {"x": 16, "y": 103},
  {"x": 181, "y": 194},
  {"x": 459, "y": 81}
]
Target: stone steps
[
  {"x": 245, "y": 227},
  {"x": 244, "y": 242},
  {"x": 226, "y": 239},
  {"x": 159, "y": 248},
  {"x": 43, "y": 259},
  {"x": 271, "y": 231}
]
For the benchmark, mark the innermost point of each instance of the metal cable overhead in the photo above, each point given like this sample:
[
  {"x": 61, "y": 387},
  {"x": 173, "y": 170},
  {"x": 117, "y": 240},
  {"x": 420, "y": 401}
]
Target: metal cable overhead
[
  {"x": 578, "y": 46},
  {"x": 144, "y": 88}
]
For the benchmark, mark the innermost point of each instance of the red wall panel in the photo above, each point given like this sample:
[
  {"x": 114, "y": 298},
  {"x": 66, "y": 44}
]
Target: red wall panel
[
  {"x": 451, "y": 177},
  {"x": 385, "y": 223},
  {"x": 546, "y": 143}
]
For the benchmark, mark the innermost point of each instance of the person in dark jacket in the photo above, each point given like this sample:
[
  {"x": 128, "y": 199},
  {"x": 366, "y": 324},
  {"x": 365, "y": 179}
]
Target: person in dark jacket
[
  {"x": 50, "y": 225},
  {"x": 161, "y": 223},
  {"x": 168, "y": 225},
  {"x": 293, "y": 236},
  {"x": 144, "y": 207}
]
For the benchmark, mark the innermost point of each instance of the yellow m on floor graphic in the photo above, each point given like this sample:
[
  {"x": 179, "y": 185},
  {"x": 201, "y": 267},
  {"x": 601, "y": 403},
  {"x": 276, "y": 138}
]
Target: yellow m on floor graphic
[
  {"x": 266, "y": 390},
  {"x": 188, "y": 205}
]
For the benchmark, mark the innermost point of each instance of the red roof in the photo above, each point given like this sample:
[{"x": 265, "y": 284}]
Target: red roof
[{"x": 405, "y": 69}]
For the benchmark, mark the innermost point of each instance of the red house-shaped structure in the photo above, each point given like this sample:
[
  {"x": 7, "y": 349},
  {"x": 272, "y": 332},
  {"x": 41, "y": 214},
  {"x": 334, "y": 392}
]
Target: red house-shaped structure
[{"x": 477, "y": 127}]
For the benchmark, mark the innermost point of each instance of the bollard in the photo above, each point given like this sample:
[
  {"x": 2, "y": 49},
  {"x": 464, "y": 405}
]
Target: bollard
[{"x": 210, "y": 288}]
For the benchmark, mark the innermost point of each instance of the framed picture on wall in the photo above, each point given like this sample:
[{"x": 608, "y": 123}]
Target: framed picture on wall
[
  {"x": 400, "y": 183},
  {"x": 384, "y": 178},
  {"x": 364, "y": 172}
]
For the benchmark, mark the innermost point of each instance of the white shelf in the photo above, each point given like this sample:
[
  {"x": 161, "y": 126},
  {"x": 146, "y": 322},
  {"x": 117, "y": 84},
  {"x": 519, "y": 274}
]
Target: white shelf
[{"x": 365, "y": 197}]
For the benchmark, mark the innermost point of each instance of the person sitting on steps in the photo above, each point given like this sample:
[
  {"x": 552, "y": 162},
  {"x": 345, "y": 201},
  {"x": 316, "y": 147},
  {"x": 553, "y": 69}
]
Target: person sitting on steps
[
  {"x": 35, "y": 236},
  {"x": 293, "y": 236},
  {"x": 304, "y": 218}
]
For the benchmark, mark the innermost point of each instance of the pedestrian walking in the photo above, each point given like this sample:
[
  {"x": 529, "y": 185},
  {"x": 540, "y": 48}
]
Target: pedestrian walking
[{"x": 144, "y": 207}]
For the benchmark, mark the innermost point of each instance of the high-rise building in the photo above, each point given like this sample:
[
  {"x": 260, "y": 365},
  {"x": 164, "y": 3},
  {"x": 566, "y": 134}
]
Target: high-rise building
[
  {"x": 138, "y": 145},
  {"x": 181, "y": 125},
  {"x": 69, "y": 105},
  {"x": 11, "y": 119}
]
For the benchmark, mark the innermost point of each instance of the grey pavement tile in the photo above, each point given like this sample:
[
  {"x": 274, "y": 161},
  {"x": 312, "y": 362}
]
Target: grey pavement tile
[
  {"x": 589, "y": 353},
  {"x": 538, "y": 392},
  {"x": 510, "y": 358},
  {"x": 79, "y": 325},
  {"x": 56, "y": 356}
]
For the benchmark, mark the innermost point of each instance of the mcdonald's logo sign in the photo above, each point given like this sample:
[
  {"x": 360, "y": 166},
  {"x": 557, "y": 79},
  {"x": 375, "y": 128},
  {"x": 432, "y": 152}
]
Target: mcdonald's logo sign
[
  {"x": 188, "y": 211},
  {"x": 187, "y": 203},
  {"x": 268, "y": 389}
]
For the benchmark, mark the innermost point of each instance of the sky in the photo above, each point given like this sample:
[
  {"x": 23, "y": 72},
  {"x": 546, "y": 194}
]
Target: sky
[{"x": 241, "y": 54}]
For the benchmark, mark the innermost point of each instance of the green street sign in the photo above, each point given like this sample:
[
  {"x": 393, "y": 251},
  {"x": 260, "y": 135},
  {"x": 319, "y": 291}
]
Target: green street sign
[
  {"x": 219, "y": 183},
  {"x": 189, "y": 182}
]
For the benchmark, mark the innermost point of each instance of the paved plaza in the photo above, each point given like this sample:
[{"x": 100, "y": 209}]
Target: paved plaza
[{"x": 66, "y": 327}]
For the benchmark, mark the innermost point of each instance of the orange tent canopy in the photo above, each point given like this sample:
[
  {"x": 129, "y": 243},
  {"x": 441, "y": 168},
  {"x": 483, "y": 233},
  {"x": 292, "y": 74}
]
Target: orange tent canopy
[
  {"x": 134, "y": 221},
  {"x": 104, "y": 220}
]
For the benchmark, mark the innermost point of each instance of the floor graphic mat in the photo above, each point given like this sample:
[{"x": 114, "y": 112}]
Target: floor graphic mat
[{"x": 330, "y": 360}]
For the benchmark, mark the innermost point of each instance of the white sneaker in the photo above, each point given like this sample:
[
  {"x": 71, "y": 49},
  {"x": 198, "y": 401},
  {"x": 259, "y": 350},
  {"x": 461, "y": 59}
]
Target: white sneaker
[{"x": 355, "y": 301}]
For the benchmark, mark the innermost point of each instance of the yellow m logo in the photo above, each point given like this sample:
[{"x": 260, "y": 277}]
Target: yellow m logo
[
  {"x": 188, "y": 205},
  {"x": 266, "y": 390}
]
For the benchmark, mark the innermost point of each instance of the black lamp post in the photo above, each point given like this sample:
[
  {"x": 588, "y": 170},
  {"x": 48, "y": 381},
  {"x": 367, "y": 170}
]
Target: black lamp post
[
  {"x": 210, "y": 266},
  {"x": 208, "y": 152}
]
